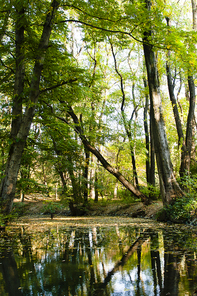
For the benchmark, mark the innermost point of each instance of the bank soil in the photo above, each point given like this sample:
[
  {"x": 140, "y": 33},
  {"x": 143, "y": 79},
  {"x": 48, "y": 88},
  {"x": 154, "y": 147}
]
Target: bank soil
[{"x": 37, "y": 206}]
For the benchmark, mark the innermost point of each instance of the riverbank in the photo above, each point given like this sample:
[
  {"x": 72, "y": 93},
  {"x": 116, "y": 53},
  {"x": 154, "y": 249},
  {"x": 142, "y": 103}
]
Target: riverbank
[
  {"x": 117, "y": 208},
  {"x": 181, "y": 213}
]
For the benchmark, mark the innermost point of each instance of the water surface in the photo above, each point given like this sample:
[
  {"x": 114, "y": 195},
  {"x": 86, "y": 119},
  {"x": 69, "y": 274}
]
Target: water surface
[{"x": 97, "y": 256}]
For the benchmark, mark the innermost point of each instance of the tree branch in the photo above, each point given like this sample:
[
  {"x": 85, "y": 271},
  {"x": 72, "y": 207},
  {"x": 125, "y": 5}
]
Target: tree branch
[
  {"x": 57, "y": 85},
  {"x": 103, "y": 29}
]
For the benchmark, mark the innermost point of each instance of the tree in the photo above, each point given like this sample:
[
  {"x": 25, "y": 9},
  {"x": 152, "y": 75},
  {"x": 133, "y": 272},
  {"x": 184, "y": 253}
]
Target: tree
[
  {"x": 185, "y": 142},
  {"x": 127, "y": 123},
  {"x": 99, "y": 156},
  {"x": 168, "y": 184},
  {"x": 21, "y": 121}
]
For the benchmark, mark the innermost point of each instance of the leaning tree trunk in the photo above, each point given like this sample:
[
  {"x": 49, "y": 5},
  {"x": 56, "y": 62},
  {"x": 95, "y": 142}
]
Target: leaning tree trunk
[
  {"x": 20, "y": 129},
  {"x": 168, "y": 184},
  {"x": 101, "y": 159}
]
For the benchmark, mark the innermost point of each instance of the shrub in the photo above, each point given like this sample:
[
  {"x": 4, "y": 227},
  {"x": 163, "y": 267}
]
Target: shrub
[
  {"x": 182, "y": 209},
  {"x": 52, "y": 208}
]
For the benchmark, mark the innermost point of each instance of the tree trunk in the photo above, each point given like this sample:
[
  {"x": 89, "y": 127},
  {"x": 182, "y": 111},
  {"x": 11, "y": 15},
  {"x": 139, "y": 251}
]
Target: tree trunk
[
  {"x": 76, "y": 188},
  {"x": 96, "y": 187},
  {"x": 168, "y": 184},
  {"x": 125, "y": 121},
  {"x": 102, "y": 160},
  {"x": 185, "y": 142},
  {"x": 194, "y": 14},
  {"x": 20, "y": 131},
  {"x": 85, "y": 175},
  {"x": 150, "y": 153},
  {"x": 147, "y": 139},
  {"x": 186, "y": 154}
]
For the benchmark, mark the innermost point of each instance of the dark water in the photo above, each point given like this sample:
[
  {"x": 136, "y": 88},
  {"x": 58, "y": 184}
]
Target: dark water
[{"x": 95, "y": 259}]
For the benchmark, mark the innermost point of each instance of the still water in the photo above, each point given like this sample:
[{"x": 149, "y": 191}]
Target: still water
[{"x": 97, "y": 256}]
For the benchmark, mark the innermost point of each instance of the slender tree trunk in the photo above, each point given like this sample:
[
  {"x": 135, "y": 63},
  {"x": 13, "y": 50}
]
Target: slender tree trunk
[
  {"x": 186, "y": 154},
  {"x": 147, "y": 139},
  {"x": 150, "y": 153},
  {"x": 184, "y": 142},
  {"x": 20, "y": 131},
  {"x": 192, "y": 100},
  {"x": 85, "y": 175},
  {"x": 125, "y": 121},
  {"x": 168, "y": 184},
  {"x": 96, "y": 187}
]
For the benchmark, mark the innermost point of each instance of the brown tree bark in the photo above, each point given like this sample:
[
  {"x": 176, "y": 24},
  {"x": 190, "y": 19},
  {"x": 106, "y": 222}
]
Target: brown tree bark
[
  {"x": 168, "y": 184},
  {"x": 21, "y": 127}
]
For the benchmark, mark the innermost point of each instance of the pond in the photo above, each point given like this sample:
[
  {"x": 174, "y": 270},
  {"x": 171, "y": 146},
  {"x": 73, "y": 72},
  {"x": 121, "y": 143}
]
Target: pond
[{"x": 97, "y": 256}]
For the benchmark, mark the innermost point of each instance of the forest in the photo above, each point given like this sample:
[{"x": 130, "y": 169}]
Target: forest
[{"x": 98, "y": 101}]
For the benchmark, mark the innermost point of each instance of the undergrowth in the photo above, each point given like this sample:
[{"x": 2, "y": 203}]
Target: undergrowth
[{"x": 184, "y": 209}]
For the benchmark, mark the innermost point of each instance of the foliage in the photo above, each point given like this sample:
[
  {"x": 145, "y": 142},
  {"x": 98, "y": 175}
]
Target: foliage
[
  {"x": 125, "y": 196},
  {"x": 151, "y": 191},
  {"x": 190, "y": 183},
  {"x": 19, "y": 209},
  {"x": 78, "y": 72},
  {"x": 181, "y": 210},
  {"x": 184, "y": 209},
  {"x": 31, "y": 186},
  {"x": 51, "y": 207}
]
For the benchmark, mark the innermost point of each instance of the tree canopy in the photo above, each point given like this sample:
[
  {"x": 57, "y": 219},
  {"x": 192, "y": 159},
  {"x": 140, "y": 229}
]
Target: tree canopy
[{"x": 92, "y": 90}]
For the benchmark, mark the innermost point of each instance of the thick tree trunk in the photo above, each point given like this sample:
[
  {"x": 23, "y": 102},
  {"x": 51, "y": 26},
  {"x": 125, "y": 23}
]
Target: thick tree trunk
[
  {"x": 59, "y": 166},
  {"x": 168, "y": 184},
  {"x": 20, "y": 131},
  {"x": 194, "y": 14},
  {"x": 76, "y": 188}
]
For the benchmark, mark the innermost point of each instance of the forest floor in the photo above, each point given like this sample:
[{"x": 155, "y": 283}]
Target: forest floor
[{"x": 37, "y": 206}]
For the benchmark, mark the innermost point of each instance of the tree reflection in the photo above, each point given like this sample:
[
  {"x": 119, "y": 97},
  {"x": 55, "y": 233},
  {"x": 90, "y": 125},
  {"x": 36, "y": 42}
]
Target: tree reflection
[
  {"x": 94, "y": 260},
  {"x": 156, "y": 262},
  {"x": 9, "y": 270}
]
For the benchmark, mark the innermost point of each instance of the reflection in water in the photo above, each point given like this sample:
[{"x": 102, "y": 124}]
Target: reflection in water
[{"x": 98, "y": 261}]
